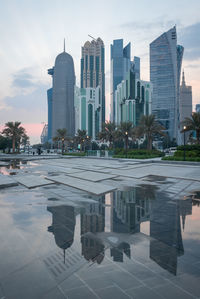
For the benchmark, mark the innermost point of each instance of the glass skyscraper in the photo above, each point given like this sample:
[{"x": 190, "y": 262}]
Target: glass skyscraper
[
  {"x": 165, "y": 69},
  {"x": 93, "y": 69},
  {"x": 120, "y": 65}
]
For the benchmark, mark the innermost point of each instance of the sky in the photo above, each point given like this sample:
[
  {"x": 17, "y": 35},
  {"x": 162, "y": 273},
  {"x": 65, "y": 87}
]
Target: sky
[{"x": 32, "y": 34}]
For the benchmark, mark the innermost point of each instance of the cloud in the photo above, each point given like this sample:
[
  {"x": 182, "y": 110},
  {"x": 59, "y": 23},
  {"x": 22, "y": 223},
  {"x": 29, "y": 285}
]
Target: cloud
[
  {"x": 189, "y": 38},
  {"x": 158, "y": 23},
  {"x": 23, "y": 79}
]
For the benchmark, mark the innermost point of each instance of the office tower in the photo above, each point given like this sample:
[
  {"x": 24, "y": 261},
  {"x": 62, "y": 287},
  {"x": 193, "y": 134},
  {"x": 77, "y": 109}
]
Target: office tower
[
  {"x": 44, "y": 134},
  {"x": 197, "y": 107},
  {"x": 185, "y": 103},
  {"x": 49, "y": 102},
  {"x": 63, "y": 94},
  {"x": 88, "y": 110},
  {"x": 132, "y": 99},
  {"x": 120, "y": 65},
  {"x": 93, "y": 69},
  {"x": 165, "y": 67}
]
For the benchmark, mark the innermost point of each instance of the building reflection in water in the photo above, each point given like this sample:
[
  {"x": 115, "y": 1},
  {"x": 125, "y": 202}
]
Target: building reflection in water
[
  {"x": 126, "y": 211},
  {"x": 63, "y": 225},
  {"x": 92, "y": 222},
  {"x": 165, "y": 230}
]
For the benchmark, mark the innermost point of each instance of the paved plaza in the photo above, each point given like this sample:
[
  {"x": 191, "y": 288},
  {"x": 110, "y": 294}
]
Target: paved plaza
[{"x": 99, "y": 228}]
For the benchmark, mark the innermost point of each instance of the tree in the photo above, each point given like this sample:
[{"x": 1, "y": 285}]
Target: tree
[
  {"x": 61, "y": 135},
  {"x": 81, "y": 137},
  {"x": 149, "y": 127},
  {"x": 126, "y": 131},
  {"x": 14, "y": 131},
  {"x": 25, "y": 140},
  {"x": 193, "y": 124},
  {"x": 5, "y": 142},
  {"x": 108, "y": 132}
]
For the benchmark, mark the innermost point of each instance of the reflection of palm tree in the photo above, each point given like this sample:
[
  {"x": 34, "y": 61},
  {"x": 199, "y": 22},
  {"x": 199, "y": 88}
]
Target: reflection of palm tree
[{"x": 63, "y": 224}]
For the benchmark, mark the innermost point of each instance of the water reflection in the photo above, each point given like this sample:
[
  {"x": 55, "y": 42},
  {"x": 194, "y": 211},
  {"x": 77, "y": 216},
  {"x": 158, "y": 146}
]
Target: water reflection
[
  {"x": 63, "y": 225},
  {"x": 113, "y": 220}
]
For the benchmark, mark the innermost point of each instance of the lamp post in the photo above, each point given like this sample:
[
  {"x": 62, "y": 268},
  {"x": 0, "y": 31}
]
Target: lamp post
[
  {"x": 63, "y": 139},
  {"x": 126, "y": 137},
  {"x": 184, "y": 129}
]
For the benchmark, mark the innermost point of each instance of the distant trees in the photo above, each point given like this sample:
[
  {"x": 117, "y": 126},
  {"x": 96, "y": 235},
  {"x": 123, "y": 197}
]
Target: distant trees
[
  {"x": 15, "y": 132},
  {"x": 62, "y": 136},
  {"x": 149, "y": 127},
  {"x": 108, "y": 133},
  {"x": 193, "y": 124}
]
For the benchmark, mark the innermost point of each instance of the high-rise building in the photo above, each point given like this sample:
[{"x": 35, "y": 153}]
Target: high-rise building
[
  {"x": 63, "y": 94},
  {"x": 197, "y": 107},
  {"x": 132, "y": 99},
  {"x": 88, "y": 110},
  {"x": 185, "y": 104},
  {"x": 49, "y": 102},
  {"x": 165, "y": 68},
  {"x": 93, "y": 69},
  {"x": 121, "y": 64}
]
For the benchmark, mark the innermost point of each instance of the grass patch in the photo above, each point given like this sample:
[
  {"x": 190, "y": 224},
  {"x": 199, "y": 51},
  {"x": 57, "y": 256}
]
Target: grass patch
[{"x": 137, "y": 154}]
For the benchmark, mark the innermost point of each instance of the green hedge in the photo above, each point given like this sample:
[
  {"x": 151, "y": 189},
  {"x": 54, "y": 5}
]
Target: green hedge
[
  {"x": 136, "y": 156},
  {"x": 77, "y": 154},
  {"x": 188, "y": 147},
  {"x": 174, "y": 158},
  {"x": 138, "y": 153}
]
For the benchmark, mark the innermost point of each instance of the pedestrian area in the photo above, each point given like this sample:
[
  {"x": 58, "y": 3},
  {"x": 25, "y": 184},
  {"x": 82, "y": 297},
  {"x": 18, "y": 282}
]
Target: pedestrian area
[{"x": 97, "y": 228}]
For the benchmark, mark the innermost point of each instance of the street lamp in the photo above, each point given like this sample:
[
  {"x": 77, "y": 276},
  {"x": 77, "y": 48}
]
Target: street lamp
[
  {"x": 184, "y": 129},
  {"x": 63, "y": 139},
  {"x": 126, "y": 137}
]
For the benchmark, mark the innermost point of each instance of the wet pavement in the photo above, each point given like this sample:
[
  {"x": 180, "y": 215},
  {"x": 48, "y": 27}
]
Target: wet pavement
[{"x": 140, "y": 240}]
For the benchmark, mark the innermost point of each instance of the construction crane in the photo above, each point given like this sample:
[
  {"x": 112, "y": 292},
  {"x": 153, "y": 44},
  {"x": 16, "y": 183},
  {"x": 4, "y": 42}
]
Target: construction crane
[{"x": 92, "y": 37}]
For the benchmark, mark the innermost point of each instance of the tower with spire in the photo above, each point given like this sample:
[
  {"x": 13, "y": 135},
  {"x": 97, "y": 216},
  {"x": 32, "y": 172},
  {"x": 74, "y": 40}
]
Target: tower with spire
[
  {"x": 185, "y": 102},
  {"x": 61, "y": 113}
]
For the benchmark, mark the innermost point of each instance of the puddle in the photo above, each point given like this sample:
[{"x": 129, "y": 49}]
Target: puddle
[{"x": 145, "y": 231}]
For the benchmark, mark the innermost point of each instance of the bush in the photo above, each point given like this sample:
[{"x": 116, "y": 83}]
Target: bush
[
  {"x": 190, "y": 159},
  {"x": 77, "y": 154},
  {"x": 138, "y": 152}
]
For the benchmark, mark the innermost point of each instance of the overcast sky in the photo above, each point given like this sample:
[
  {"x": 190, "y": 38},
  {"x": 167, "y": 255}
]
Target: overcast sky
[{"x": 32, "y": 33}]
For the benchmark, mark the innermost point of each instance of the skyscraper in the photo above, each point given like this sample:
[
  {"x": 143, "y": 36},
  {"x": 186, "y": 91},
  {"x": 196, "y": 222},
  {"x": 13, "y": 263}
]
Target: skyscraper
[
  {"x": 120, "y": 65},
  {"x": 93, "y": 69},
  {"x": 63, "y": 94},
  {"x": 165, "y": 68},
  {"x": 185, "y": 103}
]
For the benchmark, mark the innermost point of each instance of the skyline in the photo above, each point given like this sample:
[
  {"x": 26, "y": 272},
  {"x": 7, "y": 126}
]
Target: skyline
[{"x": 31, "y": 40}]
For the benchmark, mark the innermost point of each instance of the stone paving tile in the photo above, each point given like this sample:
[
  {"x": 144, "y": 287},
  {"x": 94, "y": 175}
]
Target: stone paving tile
[
  {"x": 155, "y": 281},
  {"x": 54, "y": 294},
  {"x": 92, "y": 176},
  {"x": 31, "y": 181},
  {"x": 71, "y": 282},
  {"x": 170, "y": 291},
  {"x": 143, "y": 293},
  {"x": 95, "y": 188},
  {"x": 81, "y": 292},
  {"x": 6, "y": 181},
  {"x": 100, "y": 283},
  {"x": 31, "y": 282},
  {"x": 112, "y": 292},
  {"x": 189, "y": 283}
]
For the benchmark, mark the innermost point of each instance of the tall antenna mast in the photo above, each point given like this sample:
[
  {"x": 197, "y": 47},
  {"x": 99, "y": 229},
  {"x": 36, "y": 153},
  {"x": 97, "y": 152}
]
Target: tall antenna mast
[{"x": 92, "y": 37}]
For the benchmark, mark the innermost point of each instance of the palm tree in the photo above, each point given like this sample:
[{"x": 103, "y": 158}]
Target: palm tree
[
  {"x": 25, "y": 140},
  {"x": 193, "y": 124},
  {"x": 150, "y": 127},
  {"x": 61, "y": 135},
  {"x": 14, "y": 131},
  {"x": 126, "y": 131},
  {"x": 81, "y": 137},
  {"x": 108, "y": 132}
]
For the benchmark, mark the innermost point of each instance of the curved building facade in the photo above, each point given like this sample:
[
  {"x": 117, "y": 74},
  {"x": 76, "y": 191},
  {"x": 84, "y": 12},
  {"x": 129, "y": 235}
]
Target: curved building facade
[
  {"x": 63, "y": 115},
  {"x": 165, "y": 68}
]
